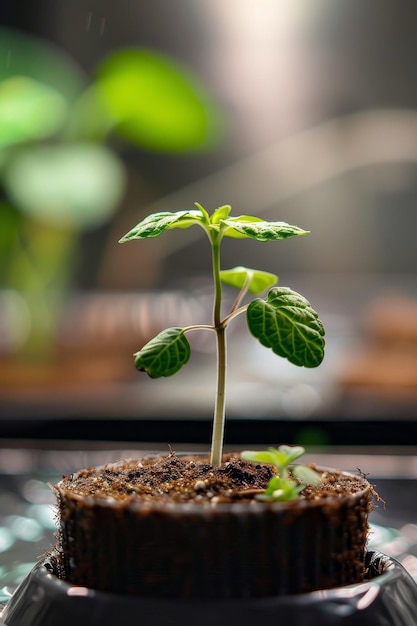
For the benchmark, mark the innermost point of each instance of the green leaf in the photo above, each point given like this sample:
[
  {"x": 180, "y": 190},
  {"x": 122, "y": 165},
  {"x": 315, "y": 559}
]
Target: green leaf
[
  {"x": 256, "y": 228},
  {"x": 287, "y": 324},
  {"x": 155, "y": 224},
  {"x": 279, "y": 457},
  {"x": 220, "y": 214},
  {"x": 244, "y": 219},
  {"x": 306, "y": 475},
  {"x": 205, "y": 215},
  {"x": 237, "y": 277},
  {"x": 291, "y": 453},
  {"x": 261, "y": 456},
  {"x": 165, "y": 354},
  {"x": 76, "y": 186},
  {"x": 287, "y": 454},
  {"x": 156, "y": 102},
  {"x": 29, "y": 110},
  {"x": 41, "y": 61},
  {"x": 281, "y": 490}
]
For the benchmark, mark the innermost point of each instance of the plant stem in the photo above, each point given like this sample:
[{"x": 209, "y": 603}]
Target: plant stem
[
  {"x": 234, "y": 314},
  {"x": 236, "y": 309},
  {"x": 215, "y": 246},
  {"x": 220, "y": 329},
  {"x": 219, "y": 411},
  {"x": 242, "y": 293}
]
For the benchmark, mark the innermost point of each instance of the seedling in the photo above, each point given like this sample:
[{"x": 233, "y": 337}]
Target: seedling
[
  {"x": 282, "y": 487},
  {"x": 284, "y": 321}
]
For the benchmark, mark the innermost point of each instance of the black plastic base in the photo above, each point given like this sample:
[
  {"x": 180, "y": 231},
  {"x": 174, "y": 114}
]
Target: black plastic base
[{"x": 388, "y": 597}]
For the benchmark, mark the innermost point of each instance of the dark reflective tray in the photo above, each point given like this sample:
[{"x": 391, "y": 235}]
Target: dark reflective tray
[{"x": 388, "y": 597}]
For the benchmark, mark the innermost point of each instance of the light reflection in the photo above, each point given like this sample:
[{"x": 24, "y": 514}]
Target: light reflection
[
  {"x": 78, "y": 591},
  {"x": 45, "y": 514},
  {"x": 37, "y": 492},
  {"x": 410, "y": 531},
  {"x": 300, "y": 400},
  {"x": 367, "y": 599},
  {"x": 24, "y": 528},
  {"x": 409, "y": 561},
  {"x": 260, "y": 45},
  {"x": 381, "y": 536},
  {"x": 5, "y": 593},
  {"x": 6, "y": 539},
  {"x": 14, "y": 574}
]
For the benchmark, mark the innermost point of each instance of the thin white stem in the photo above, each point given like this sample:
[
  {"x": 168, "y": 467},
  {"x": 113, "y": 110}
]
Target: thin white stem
[
  {"x": 219, "y": 411},
  {"x": 234, "y": 314},
  {"x": 219, "y": 408},
  {"x": 187, "y": 329},
  {"x": 242, "y": 293}
]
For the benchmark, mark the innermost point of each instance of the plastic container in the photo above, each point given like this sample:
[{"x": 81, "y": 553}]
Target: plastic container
[{"x": 389, "y": 597}]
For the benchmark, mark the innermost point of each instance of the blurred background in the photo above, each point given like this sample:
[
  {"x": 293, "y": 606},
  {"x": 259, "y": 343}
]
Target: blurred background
[{"x": 295, "y": 111}]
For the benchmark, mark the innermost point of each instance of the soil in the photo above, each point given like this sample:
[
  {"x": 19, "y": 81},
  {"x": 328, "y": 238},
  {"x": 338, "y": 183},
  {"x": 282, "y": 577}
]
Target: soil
[{"x": 193, "y": 479}]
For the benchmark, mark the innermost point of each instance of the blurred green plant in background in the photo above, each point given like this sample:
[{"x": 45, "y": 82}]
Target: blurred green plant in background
[{"x": 60, "y": 174}]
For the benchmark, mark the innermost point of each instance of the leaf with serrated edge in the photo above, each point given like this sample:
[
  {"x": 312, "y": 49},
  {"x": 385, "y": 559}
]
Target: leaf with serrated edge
[
  {"x": 155, "y": 224},
  {"x": 287, "y": 324},
  {"x": 256, "y": 228},
  {"x": 242, "y": 219},
  {"x": 259, "y": 281},
  {"x": 165, "y": 354}
]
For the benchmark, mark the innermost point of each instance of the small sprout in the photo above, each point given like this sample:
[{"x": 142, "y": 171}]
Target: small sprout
[
  {"x": 285, "y": 322},
  {"x": 282, "y": 487}
]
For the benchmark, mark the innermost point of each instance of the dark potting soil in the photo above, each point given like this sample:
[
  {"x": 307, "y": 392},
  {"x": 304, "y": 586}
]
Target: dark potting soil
[{"x": 192, "y": 478}]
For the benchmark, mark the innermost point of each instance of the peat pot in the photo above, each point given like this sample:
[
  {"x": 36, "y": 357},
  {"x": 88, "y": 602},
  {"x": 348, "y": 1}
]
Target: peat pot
[{"x": 207, "y": 549}]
